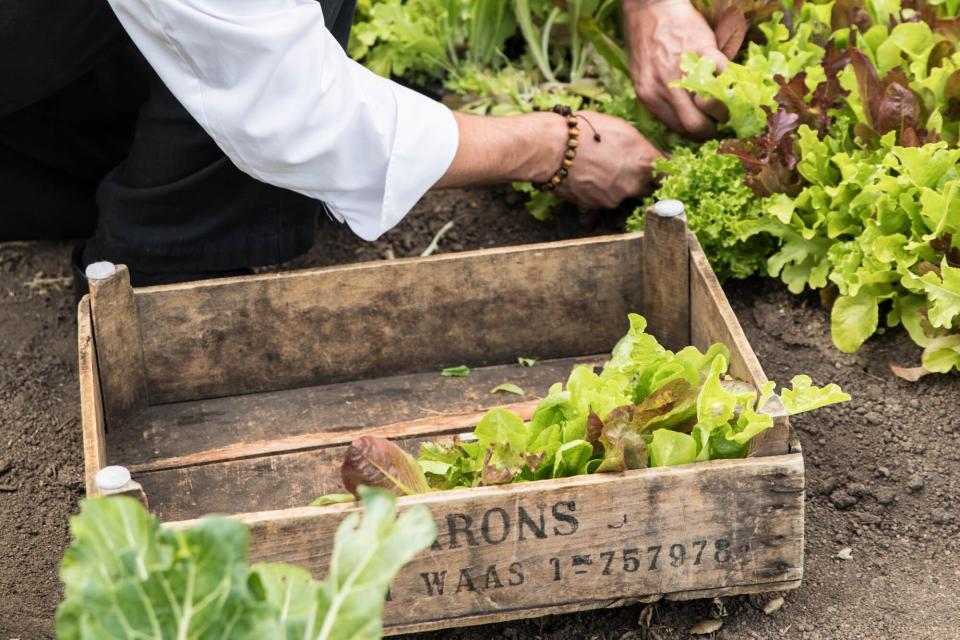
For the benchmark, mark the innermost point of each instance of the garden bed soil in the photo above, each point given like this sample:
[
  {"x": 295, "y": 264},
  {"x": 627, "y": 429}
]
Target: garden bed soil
[{"x": 883, "y": 471}]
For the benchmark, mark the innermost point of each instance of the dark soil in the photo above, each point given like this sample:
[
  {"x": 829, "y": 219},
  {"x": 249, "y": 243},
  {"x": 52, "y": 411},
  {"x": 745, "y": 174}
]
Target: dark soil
[{"x": 883, "y": 471}]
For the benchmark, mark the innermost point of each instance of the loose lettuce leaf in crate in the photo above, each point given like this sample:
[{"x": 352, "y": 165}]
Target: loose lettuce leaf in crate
[
  {"x": 803, "y": 396},
  {"x": 571, "y": 459},
  {"x": 377, "y": 462},
  {"x": 503, "y": 464},
  {"x": 624, "y": 446},
  {"x": 669, "y": 448}
]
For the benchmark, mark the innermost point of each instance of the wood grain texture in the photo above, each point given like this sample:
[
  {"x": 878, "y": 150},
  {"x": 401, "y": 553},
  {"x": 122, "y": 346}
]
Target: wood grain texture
[
  {"x": 91, "y": 405},
  {"x": 777, "y": 439},
  {"x": 727, "y": 526},
  {"x": 714, "y": 321},
  {"x": 277, "y": 481},
  {"x": 260, "y": 448},
  {"x": 666, "y": 279},
  {"x": 288, "y": 330},
  {"x": 183, "y": 433},
  {"x": 116, "y": 330},
  {"x": 131, "y": 489}
]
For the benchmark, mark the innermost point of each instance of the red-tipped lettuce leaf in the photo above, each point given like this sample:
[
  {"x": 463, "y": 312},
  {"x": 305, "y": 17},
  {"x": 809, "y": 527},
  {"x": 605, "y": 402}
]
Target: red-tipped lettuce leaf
[
  {"x": 625, "y": 447},
  {"x": 377, "y": 462},
  {"x": 888, "y": 104},
  {"x": 850, "y": 14},
  {"x": 770, "y": 158}
]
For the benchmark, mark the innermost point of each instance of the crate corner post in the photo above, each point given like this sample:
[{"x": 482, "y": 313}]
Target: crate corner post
[
  {"x": 91, "y": 403},
  {"x": 666, "y": 273},
  {"x": 118, "y": 343}
]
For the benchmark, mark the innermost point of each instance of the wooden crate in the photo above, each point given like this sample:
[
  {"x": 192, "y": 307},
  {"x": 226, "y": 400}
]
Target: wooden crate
[{"x": 241, "y": 396}]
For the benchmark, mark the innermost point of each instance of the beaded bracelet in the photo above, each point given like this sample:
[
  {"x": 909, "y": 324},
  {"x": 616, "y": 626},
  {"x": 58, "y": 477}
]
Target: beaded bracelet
[{"x": 573, "y": 141}]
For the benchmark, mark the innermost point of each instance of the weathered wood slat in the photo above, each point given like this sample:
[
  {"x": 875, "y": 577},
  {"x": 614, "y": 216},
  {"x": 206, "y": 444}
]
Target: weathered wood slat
[
  {"x": 116, "y": 330},
  {"x": 712, "y": 319},
  {"x": 437, "y": 424},
  {"x": 281, "y": 331},
  {"x": 237, "y": 426},
  {"x": 264, "y": 483},
  {"x": 504, "y": 552},
  {"x": 666, "y": 278},
  {"x": 91, "y": 405},
  {"x": 777, "y": 439}
]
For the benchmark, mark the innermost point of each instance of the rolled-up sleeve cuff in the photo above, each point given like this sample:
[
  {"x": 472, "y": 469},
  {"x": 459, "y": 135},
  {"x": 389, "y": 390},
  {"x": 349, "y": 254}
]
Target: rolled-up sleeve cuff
[{"x": 425, "y": 142}]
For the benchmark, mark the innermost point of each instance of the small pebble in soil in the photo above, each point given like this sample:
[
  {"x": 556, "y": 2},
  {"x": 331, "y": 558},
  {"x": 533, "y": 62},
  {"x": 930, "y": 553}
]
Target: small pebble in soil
[
  {"x": 942, "y": 517},
  {"x": 845, "y": 554},
  {"x": 874, "y": 418},
  {"x": 842, "y": 500},
  {"x": 830, "y": 485},
  {"x": 858, "y": 489},
  {"x": 706, "y": 627},
  {"x": 773, "y": 606},
  {"x": 883, "y": 472},
  {"x": 915, "y": 483}
]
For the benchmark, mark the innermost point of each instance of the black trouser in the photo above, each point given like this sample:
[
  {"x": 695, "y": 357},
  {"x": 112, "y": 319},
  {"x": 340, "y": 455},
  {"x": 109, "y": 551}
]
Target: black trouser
[{"x": 92, "y": 144}]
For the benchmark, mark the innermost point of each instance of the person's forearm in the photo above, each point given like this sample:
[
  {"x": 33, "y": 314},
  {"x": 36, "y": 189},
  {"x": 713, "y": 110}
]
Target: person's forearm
[{"x": 497, "y": 150}]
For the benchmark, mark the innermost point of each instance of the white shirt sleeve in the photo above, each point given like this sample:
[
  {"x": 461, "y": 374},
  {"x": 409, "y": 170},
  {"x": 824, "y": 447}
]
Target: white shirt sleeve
[{"x": 270, "y": 84}]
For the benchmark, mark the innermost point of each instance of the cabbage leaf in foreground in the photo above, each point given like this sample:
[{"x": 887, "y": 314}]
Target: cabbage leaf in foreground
[{"x": 126, "y": 576}]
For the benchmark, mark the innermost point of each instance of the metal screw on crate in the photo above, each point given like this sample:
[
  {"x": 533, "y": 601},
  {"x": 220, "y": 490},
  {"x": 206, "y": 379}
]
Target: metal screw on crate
[
  {"x": 112, "y": 478},
  {"x": 100, "y": 271},
  {"x": 668, "y": 208}
]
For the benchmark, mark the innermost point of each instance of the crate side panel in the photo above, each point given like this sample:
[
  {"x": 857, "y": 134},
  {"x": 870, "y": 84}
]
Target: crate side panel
[
  {"x": 91, "y": 403},
  {"x": 587, "y": 605},
  {"x": 510, "y": 552},
  {"x": 258, "y": 483},
  {"x": 331, "y": 325},
  {"x": 712, "y": 319}
]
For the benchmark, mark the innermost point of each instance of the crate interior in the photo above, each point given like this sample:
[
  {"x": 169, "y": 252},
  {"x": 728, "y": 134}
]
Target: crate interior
[
  {"x": 257, "y": 385},
  {"x": 280, "y": 449}
]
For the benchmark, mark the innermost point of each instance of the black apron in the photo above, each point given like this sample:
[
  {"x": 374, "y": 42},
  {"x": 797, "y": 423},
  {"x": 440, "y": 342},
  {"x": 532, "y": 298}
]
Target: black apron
[{"x": 92, "y": 144}]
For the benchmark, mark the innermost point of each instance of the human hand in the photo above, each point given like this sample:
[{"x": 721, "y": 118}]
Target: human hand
[
  {"x": 607, "y": 172},
  {"x": 658, "y": 33}
]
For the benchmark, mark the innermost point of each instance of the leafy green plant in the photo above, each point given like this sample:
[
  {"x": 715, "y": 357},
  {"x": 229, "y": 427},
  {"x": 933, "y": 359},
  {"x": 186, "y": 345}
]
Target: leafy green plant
[
  {"x": 126, "y": 576},
  {"x": 847, "y": 118},
  {"x": 836, "y": 109},
  {"x": 711, "y": 186},
  {"x": 648, "y": 407},
  {"x": 422, "y": 40}
]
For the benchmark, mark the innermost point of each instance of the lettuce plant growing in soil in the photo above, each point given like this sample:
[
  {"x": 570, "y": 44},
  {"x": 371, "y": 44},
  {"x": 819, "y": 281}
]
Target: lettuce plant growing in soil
[
  {"x": 648, "y": 407},
  {"x": 846, "y": 117},
  {"x": 126, "y": 576}
]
